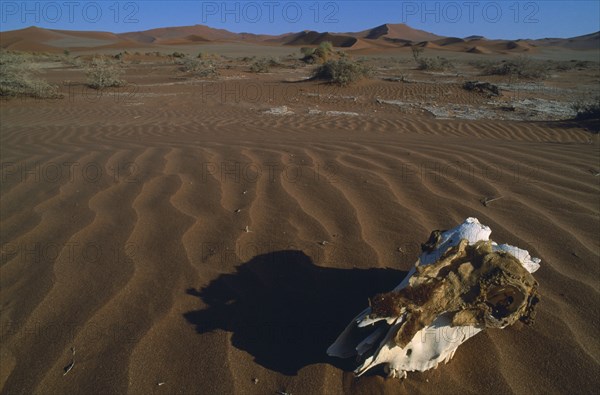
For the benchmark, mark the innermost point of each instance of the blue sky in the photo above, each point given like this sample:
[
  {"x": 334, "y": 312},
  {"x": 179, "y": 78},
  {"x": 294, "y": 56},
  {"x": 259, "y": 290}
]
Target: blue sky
[{"x": 494, "y": 19}]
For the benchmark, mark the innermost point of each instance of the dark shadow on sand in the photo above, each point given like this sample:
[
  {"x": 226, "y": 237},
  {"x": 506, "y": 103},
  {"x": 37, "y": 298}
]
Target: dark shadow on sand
[{"x": 284, "y": 310}]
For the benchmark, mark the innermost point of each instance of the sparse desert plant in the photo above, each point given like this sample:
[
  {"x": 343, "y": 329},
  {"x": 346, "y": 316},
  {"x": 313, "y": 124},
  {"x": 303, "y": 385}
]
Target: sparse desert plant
[
  {"x": 482, "y": 87},
  {"x": 260, "y": 66},
  {"x": 75, "y": 62},
  {"x": 263, "y": 65},
  {"x": 521, "y": 66},
  {"x": 178, "y": 55},
  {"x": 17, "y": 78},
  {"x": 434, "y": 64},
  {"x": 587, "y": 109},
  {"x": 198, "y": 67},
  {"x": 103, "y": 73},
  {"x": 324, "y": 49},
  {"x": 321, "y": 54},
  {"x": 342, "y": 71},
  {"x": 417, "y": 52},
  {"x": 307, "y": 51}
]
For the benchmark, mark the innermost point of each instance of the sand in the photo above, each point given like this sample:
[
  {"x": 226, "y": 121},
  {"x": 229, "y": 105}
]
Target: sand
[{"x": 185, "y": 243}]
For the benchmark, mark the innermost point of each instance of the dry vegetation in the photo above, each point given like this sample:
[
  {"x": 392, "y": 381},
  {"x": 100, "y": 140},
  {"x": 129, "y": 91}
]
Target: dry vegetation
[
  {"x": 587, "y": 110},
  {"x": 104, "y": 73},
  {"x": 520, "y": 67},
  {"x": 342, "y": 71},
  {"x": 18, "y": 77},
  {"x": 197, "y": 67}
]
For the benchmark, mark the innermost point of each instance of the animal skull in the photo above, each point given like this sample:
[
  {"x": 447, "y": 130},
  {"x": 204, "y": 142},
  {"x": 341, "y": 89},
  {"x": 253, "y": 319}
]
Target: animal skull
[{"x": 462, "y": 283}]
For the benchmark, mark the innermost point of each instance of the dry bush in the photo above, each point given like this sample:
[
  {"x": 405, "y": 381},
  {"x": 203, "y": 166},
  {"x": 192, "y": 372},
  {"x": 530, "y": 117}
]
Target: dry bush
[
  {"x": 434, "y": 64},
  {"x": 320, "y": 54},
  {"x": 198, "y": 67},
  {"x": 589, "y": 109},
  {"x": 103, "y": 73},
  {"x": 342, "y": 71},
  {"x": 17, "y": 78},
  {"x": 260, "y": 66},
  {"x": 521, "y": 66},
  {"x": 263, "y": 65}
]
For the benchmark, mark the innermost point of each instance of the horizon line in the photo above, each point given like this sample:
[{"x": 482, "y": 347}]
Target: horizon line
[{"x": 289, "y": 32}]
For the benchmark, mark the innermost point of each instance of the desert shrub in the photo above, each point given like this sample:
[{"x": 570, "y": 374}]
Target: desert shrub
[
  {"x": 587, "y": 109},
  {"x": 263, "y": 65},
  {"x": 482, "y": 87},
  {"x": 520, "y": 66},
  {"x": 17, "y": 78},
  {"x": 198, "y": 67},
  {"x": 416, "y": 52},
  {"x": 103, "y": 73},
  {"x": 178, "y": 55},
  {"x": 260, "y": 66},
  {"x": 342, "y": 71},
  {"x": 307, "y": 51},
  {"x": 324, "y": 50},
  {"x": 320, "y": 54},
  {"x": 434, "y": 64},
  {"x": 481, "y": 64},
  {"x": 560, "y": 65}
]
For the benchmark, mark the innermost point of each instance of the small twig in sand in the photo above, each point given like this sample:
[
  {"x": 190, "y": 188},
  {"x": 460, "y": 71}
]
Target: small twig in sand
[
  {"x": 486, "y": 200},
  {"x": 283, "y": 393},
  {"x": 238, "y": 210},
  {"x": 68, "y": 368},
  {"x": 594, "y": 172},
  {"x": 247, "y": 229},
  {"x": 161, "y": 383}
]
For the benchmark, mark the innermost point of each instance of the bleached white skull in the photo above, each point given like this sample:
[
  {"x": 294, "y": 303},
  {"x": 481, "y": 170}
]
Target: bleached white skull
[{"x": 462, "y": 283}]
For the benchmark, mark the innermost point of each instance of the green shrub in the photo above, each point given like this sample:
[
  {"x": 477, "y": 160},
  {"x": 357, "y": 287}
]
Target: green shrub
[
  {"x": 103, "y": 73},
  {"x": 342, "y": 71},
  {"x": 17, "y": 73}
]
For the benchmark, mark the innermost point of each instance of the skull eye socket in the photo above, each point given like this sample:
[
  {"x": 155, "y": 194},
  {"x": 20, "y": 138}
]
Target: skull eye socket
[{"x": 504, "y": 300}]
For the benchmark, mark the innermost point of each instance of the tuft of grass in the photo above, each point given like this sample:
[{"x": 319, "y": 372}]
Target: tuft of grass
[
  {"x": 342, "y": 71},
  {"x": 17, "y": 78},
  {"x": 103, "y": 73}
]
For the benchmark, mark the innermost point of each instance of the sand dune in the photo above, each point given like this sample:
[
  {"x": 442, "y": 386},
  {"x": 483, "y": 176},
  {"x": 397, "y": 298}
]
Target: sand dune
[
  {"x": 122, "y": 239},
  {"x": 381, "y": 39}
]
